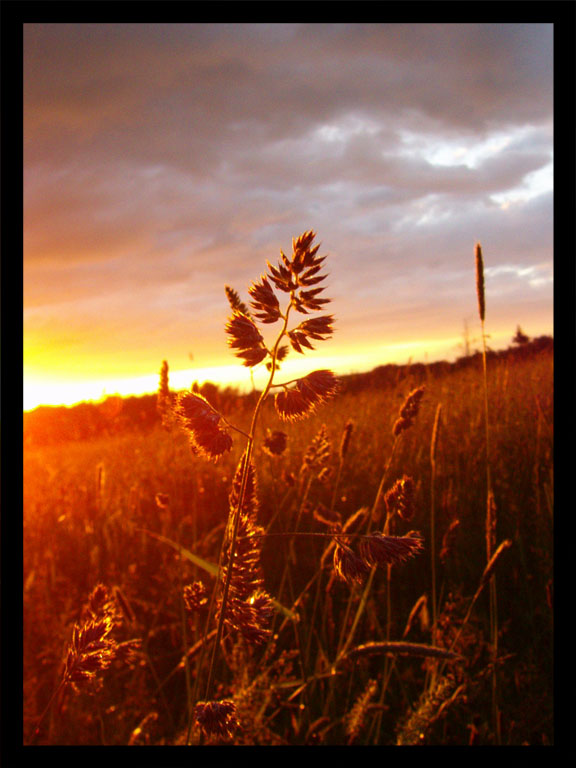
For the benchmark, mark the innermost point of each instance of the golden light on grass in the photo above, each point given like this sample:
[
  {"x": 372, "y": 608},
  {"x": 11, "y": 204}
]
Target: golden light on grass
[{"x": 288, "y": 588}]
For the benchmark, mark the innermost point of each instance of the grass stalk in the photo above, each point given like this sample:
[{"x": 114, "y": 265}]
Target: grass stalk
[{"x": 490, "y": 505}]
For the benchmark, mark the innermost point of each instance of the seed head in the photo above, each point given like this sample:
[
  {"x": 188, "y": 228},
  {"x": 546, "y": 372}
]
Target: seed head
[
  {"x": 195, "y": 597},
  {"x": 275, "y": 443},
  {"x": 201, "y": 422},
  {"x": 244, "y": 336},
  {"x": 408, "y": 411},
  {"x": 164, "y": 398},
  {"x": 235, "y": 301},
  {"x": 480, "y": 281},
  {"x": 400, "y": 498},
  {"x": 382, "y": 550},
  {"x": 346, "y": 435},
  {"x": 264, "y": 301},
  {"x": 217, "y": 718},
  {"x": 310, "y": 392},
  {"x": 347, "y": 565}
]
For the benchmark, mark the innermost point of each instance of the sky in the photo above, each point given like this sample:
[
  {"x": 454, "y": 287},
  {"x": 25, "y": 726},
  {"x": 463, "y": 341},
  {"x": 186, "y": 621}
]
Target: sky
[{"x": 163, "y": 162}]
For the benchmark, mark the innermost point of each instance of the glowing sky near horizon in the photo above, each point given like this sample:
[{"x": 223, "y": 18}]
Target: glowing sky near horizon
[{"x": 165, "y": 161}]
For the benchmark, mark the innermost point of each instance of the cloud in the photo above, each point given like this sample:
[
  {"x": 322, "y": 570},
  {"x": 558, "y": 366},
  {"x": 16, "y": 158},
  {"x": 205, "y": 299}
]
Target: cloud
[{"x": 163, "y": 161}]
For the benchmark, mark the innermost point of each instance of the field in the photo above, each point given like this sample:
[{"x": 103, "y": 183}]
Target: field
[{"x": 428, "y": 649}]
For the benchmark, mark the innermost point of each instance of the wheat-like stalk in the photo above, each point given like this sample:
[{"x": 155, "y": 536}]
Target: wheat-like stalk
[
  {"x": 433, "y": 448},
  {"x": 164, "y": 397},
  {"x": 431, "y": 708},
  {"x": 480, "y": 281},
  {"x": 355, "y": 720},
  {"x": 491, "y": 519}
]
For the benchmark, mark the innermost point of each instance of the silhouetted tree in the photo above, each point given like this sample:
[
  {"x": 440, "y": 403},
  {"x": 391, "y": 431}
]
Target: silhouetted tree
[{"x": 520, "y": 338}]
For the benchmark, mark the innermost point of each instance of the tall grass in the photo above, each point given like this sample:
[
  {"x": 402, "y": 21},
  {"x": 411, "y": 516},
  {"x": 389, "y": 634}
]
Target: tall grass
[
  {"x": 265, "y": 568},
  {"x": 491, "y": 518}
]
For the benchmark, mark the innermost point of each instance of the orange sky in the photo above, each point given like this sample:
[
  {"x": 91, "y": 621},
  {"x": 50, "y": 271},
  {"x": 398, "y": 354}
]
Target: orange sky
[{"x": 165, "y": 161}]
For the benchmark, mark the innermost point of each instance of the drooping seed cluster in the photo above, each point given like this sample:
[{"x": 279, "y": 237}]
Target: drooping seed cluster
[
  {"x": 202, "y": 424},
  {"x": 309, "y": 393},
  {"x": 90, "y": 651},
  {"x": 375, "y": 549}
]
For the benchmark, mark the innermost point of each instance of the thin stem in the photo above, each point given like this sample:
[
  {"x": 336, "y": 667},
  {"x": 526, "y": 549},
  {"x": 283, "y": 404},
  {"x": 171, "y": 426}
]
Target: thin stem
[
  {"x": 238, "y": 509},
  {"x": 383, "y": 480},
  {"x": 228, "y": 424},
  {"x": 284, "y": 383},
  {"x": 493, "y": 593},
  {"x": 433, "y": 445},
  {"x": 336, "y": 484},
  {"x": 370, "y": 579},
  {"x": 46, "y": 710}
]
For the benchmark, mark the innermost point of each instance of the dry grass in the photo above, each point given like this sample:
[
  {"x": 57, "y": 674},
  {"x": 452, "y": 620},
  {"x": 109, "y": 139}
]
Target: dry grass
[{"x": 283, "y": 597}]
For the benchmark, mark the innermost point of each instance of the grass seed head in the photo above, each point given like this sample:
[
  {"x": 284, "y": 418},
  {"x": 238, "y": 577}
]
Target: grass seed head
[
  {"x": 246, "y": 339},
  {"x": 408, "y": 411},
  {"x": 400, "y": 498},
  {"x": 348, "y": 566},
  {"x": 201, "y": 422},
  {"x": 356, "y": 718},
  {"x": 275, "y": 442},
  {"x": 195, "y": 597},
  {"x": 217, "y": 718},
  {"x": 310, "y": 392},
  {"x": 480, "y": 281},
  {"x": 346, "y": 435},
  {"x": 379, "y": 549},
  {"x": 264, "y": 301},
  {"x": 235, "y": 301}
]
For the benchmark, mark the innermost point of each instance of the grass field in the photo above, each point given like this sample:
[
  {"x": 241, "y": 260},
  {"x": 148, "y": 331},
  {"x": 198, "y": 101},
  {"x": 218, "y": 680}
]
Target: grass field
[{"x": 423, "y": 651}]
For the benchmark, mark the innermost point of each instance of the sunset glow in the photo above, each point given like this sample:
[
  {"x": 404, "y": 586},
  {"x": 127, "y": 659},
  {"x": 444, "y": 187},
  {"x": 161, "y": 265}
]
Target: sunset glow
[
  {"x": 289, "y": 379},
  {"x": 164, "y": 162}
]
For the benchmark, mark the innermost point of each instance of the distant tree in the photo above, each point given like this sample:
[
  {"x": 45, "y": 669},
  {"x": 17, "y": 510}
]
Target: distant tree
[{"x": 520, "y": 338}]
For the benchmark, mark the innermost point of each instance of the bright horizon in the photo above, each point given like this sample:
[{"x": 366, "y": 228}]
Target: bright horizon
[
  {"x": 166, "y": 161},
  {"x": 46, "y": 392}
]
